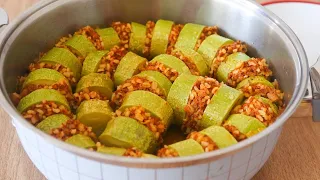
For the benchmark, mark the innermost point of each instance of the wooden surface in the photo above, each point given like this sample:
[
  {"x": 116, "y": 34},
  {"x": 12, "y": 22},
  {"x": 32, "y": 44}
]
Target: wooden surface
[{"x": 296, "y": 156}]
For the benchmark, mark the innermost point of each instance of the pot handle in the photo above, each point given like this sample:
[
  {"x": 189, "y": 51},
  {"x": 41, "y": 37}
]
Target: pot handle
[
  {"x": 4, "y": 20},
  {"x": 315, "y": 87}
]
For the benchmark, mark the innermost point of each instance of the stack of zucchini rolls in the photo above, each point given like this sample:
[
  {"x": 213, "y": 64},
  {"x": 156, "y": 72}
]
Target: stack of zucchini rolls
[{"x": 118, "y": 90}]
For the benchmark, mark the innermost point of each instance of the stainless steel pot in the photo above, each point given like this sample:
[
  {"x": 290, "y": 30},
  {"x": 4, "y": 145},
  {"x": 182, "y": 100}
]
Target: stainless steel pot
[{"x": 37, "y": 29}]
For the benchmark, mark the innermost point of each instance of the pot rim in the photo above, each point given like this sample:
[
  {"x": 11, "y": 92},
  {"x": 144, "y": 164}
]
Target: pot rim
[{"x": 297, "y": 96}]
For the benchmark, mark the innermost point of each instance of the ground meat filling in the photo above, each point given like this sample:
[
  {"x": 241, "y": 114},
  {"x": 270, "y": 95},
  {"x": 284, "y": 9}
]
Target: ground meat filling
[
  {"x": 84, "y": 95},
  {"x": 61, "y": 44},
  {"x": 170, "y": 73},
  {"x": 173, "y": 37},
  {"x": 123, "y": 30},
  {"x": 61, "y": 86},
  {"x": 252, "y": 67},
  {"x": 140, "y": 114},
  {"x": 224, "y": 52},
  {"x": 235, "y": 132},
  {"x": 72, "y": 127},
  {"x": 111, "y": 60},
  {"x": 92, "y": 35},
  {"x": 167, "y": 152},
  {"x": 191, "y": 65},
  {"x": 275, "y": 95},
  {"x": 58, "y": 67},
  {"x": 204, "y": 140},
  {"x": 135, "y": 83},
  {"x": 147, "y": 44},
  {"x": 39, "y": 112},
  {"x": 199, "y": 98},
  {"x": 256, "y": 108},
  {"x": 207, "y": 31},
  {"x": 133, "y": 152}
]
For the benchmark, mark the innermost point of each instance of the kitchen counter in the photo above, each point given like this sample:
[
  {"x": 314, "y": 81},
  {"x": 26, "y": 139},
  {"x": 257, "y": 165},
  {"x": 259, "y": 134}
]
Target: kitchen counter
[{"x": 296, "y": 155}]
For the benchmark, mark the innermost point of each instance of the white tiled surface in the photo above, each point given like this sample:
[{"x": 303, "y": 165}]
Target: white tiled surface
[{"x": 58, "y": 164}]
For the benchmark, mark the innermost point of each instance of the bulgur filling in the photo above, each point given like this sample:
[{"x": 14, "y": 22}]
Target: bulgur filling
[
  {"x": 166, "y": 151},
  {"x": 252, "y": 67},
  {"x": 235, "y": 132},
  {"x": 191, "y": 65},
  {"x": 58, "y": 67},
  {"x": 61, "y": 86},
  {"x": 92, "y": 35},
  {"x": 173, "y": 37},
  {"x": 275, "y": 95},
  {"x": 147, "y": 45},
  {"x": 256, "y": 108},
  {"x": 224, "y": 52},
  {"x": 142, "y": 116},
  {"x": 72, "y": 127},
  {"x": 111, "y": 60},
  {"x": 135, "y": 83},
  {"x": 123, "y": 30},
  {"x": 133, "y": 152},
  {"x": 204, "y": 140},
  {"x": 207, "y": 31},
  {"x": 170, "y": 73},
  {"x": 61, "y": 44},
  {"x": 86, "y": 94},
  {"x": 39, "y": 112},
  {"x": 199, "y": 98}
]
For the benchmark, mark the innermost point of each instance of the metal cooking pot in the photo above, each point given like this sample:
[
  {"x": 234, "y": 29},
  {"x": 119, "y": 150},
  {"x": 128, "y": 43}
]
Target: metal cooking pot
[{"x": 37, "y": 29}]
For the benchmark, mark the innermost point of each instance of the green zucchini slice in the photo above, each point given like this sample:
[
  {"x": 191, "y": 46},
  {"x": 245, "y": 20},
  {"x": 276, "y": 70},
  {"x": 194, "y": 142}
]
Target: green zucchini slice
[
  {"x": 274, "y": 107},
  {"x": 196, "y": 58},
  {"x": 81, "y": 141},
  {"x": 52, "y": 122},
  {"x": 179, "y": 94},
  {"x": 109, "y": 37},
  {"x": 137, "y": 38},
  {"x": 245, "y": 124},
  {"x": 81, "y": 45},
  {"x": 96, "y": 82},
  {"x": 172, "y": 62},
  {"x": 95, "y": 113},
  {"x": 230, "y": 64},
  {"x": 92, "y": 61},
  {"x": 155, "y": 76},
  {"x": 160, "y": 37},
  {"x": 40, "y": 95},
  {"x": 151, "y": 102},
  {"x": 220, "y": 106},
  {"x": 126, "y": 132},
  {"x": 111, "y": 150},
  {"x": 210, "y": 46},
  {"x": 189, "y": 36},
  {"x": 220, "y": 136},
  {"x": 129, "y": 65},
  {"x": 44, "y": 76},
  {"x": 254, "y": 80},
  {"x": 187, "y": 147},
  {"x": 65, "y": 58}
]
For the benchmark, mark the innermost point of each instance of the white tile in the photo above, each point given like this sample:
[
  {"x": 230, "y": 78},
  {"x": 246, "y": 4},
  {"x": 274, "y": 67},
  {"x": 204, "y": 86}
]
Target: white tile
[
  {"x": 241, "y": 157},
  {"x": 68, "y": 174},
  {"x": 31, "y": 137},
  {"x": 34, "y": 154},
  {"x": 220, "y": 177},
  {"x": 50, "y": 166},
  {"x": 66, "y": 159},
  {"x": 255, "y": 162},
  {"x": 259, "y": 147},
  {"x": 52, "y": 176},
  {"x": 238, "y": 172},
  {"x": 141, "y": 174},
  {"x": 46, "y": 148},
  {"x": 175, "y": 173},
  {"x": 40, "y": 167},
  {"x": 220, "y": 166},
  {"x": 250, "y": 175},
  {"x": 83, "y": 177},
  {"x": 195, "y": 172},
  {"x": 89, "y": 168},
  {"x": 111, "y": 172}
]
